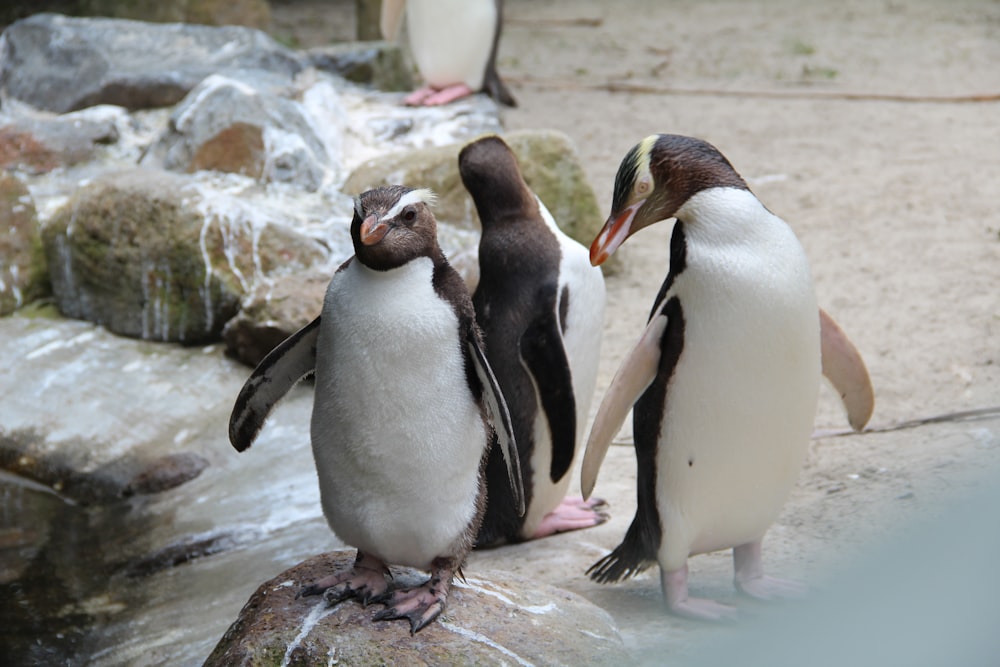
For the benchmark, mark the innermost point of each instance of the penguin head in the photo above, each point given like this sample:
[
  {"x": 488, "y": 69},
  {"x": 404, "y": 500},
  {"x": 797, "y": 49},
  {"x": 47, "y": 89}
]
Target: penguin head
[
  {"x": 491, "y": 174},
  {"x": 392, "y": 225},
  {"x": 655, "y": 179}
]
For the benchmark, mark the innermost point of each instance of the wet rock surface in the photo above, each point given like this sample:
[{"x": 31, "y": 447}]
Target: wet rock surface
[
  {"x": 98, "y": 418},
  {"x": 491, "y": 618},
  {"x": 272, "y": 312},
  {"x": 264, "y": 134}
]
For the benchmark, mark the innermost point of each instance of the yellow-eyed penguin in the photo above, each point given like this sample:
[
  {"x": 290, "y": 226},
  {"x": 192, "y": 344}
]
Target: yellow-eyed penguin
[
  {"x": 454, "y": 43},
  {"x": 725, "y": 377},
  {"x": 404, "y": 402},
  {"x": 540, "y": 305}
]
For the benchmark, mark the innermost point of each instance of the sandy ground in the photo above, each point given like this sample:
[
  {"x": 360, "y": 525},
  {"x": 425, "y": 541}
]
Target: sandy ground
[{"x": 873, "y": 128}]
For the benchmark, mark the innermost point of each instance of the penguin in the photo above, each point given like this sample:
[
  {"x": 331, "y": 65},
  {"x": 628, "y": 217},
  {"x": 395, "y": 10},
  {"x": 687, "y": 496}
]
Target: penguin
[
  {"x": 454, "y": 43},
  {"x": 404, "y": 403},
  {"x": 540, "y": 305},
  {"x": 725, "y": 377}
]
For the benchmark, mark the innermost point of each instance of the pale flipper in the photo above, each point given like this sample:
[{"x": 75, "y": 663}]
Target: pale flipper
[
  {"x": 635, "y": 375},
  {"x": 273, "y": 377},
  {"x": 846, "y": 371},
  {"x": 499, "y": 416}
]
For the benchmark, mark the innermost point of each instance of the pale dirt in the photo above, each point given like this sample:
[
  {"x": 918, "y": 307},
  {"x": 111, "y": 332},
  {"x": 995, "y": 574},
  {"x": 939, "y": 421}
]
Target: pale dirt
[{"x": 894, "y": 200}]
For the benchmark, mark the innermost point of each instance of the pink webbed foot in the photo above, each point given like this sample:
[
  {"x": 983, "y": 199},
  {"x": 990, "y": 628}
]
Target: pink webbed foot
[
  {"x": 365, "y": 581},
  {"x": 430, "y": 97},
  {"x": 675, "y": 590},
  {"x": 750, "y": 578},
  {"x": 572, "y": 514},
  {"x": 421, "y": 604}
]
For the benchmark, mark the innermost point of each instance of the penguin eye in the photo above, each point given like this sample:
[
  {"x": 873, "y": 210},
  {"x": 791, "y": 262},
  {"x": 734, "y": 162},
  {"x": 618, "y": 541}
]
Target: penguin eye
[
  {"x": 643, "y": 186},
  {"x": 409, "y": 214}
]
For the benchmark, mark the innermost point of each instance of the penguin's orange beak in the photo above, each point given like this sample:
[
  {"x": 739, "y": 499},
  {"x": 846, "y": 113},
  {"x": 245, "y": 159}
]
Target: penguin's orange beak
[
  {"x": 373, "y": 230},
  {"x": 613, "y": 234}
]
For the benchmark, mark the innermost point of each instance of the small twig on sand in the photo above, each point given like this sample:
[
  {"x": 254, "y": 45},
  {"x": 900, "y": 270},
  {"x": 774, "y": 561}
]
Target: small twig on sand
[
  {"x": 960, "y": 416},
  {"x": 581, "y": 22},
  {"x": 978, "y": 414},
  {"x": 650, "y": 89}
]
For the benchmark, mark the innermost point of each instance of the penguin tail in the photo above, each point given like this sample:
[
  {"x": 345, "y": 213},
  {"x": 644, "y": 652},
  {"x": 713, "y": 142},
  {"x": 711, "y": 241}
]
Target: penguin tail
[
  {"x": 634, "y": 555},
  {"x": 494, "y": 86}
]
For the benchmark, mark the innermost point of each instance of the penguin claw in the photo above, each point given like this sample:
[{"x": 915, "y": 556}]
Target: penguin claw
[
  {"x": 420, "y": 606},
  {"x": 365, "y": 581},
  {"x": 572, "y": 514}
]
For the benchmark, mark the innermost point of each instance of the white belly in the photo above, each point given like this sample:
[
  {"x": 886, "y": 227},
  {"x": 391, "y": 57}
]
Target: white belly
[
  {"x": 451, "y": 40},
  {"x": 741, "y": 404},
  {"x": 396, "y": 435},
  {"x": 582, "y": 343}
]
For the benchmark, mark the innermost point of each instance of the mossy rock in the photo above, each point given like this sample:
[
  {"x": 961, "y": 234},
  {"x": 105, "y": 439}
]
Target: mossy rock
[
  {"x": 23, "y": 275},
  {"x": 139, "y": 253}
]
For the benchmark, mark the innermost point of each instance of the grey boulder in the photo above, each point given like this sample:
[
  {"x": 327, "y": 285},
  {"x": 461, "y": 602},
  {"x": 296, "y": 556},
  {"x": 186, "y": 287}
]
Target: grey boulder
[
  {"x": 61, "y": 64},
  {"x": 491, "y": 619}
]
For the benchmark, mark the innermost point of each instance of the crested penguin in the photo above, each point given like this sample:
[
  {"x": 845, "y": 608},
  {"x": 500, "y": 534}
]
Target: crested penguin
[
  {"x": 540, "y": 304},
  {"x": 406, "y": 408},
  {"x": 454, "y": 44},
  {"x": 725, "y": 377}
]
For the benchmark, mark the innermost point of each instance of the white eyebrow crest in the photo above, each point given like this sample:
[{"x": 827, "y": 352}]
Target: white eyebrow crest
[{"x": 412, "y": 197}]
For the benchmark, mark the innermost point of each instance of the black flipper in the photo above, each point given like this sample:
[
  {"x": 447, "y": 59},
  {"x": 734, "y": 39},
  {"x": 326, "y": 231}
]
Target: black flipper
[
  {"x": 544, "y": 355},
  {"x": 642, "y": 540},
  {"x": 499, "y": 416},
  {"x": 274, "y": 377}
]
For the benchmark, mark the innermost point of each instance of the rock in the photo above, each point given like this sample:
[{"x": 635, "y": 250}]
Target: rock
[
  {"x": 496, "y": 618},
  {"x": 228, "y": 125},
  {"x": 549, "y": 163},
  {"x": 249, "y": 13},
  {"x": 238, "y": 149},
  {"x": 38, "y": 143},
  {"x": 23, "y": 275},
  {"x": 381, "y": 65},
  {"x": 150, "y": 255},
  {"x": 435, "y": 167},
  {"x": 272, "y": 312},
  {"x": 128, "y": 411},
  {"x": 61, "y": 64}
]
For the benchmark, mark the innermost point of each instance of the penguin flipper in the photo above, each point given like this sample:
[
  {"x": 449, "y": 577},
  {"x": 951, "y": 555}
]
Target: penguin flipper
[
  {"x": 635, "y": 375},
  {"x": 543, "y": 354},
  {"x": 846, "y": 371},
  {"x": 274, "y": 377},
  {"x": 499, "y": 416},
  {"x": 391, "y": 18}
]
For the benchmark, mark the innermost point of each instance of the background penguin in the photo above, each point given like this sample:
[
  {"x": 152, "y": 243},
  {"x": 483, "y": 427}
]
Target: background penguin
[
  {"x": 404, "y": 397},
  {"x": 540, "y": 304},
  {"x": 726, "y": 372},
  {"x": 454, "y": 43}
]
